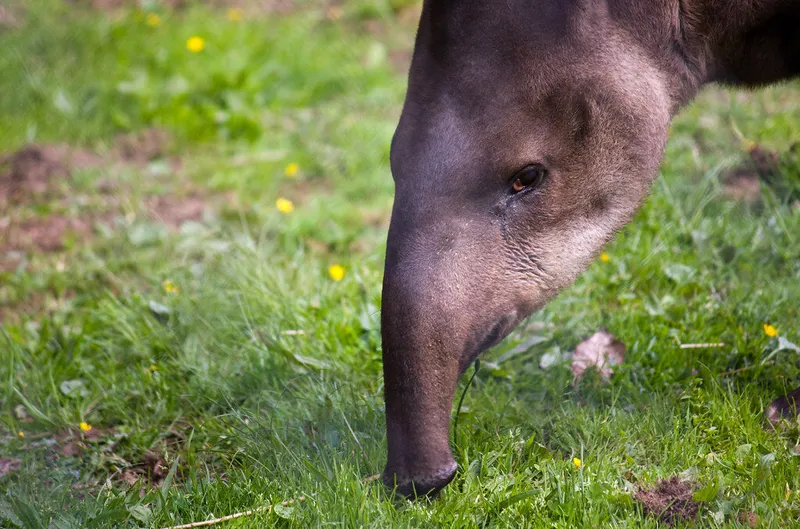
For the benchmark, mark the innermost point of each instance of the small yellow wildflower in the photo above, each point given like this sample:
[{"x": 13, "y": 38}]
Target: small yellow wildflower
[
  {"x": 153, "y": 20},
  {"x": 170, "y": 287},
  {"x": 152, "y": 368},
  {"x": 291, "y": 170},
  {"x": 85, "y": 426},
  {"x": 577, "y": 462},
  {"x": 234, "y": 14},
  {"x": 195, "y": 44},
  {"x": 604, "y": 257},
  {"x": 21, "y": 434},
  {"x": 770, "y": 331},
  {"x": 284, "y": 205},
  {"x": 336, "y": 272}
]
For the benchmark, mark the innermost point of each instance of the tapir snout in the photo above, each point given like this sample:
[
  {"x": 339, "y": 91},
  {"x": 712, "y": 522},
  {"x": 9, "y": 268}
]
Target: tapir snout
[{"x": 531, "y": 132}]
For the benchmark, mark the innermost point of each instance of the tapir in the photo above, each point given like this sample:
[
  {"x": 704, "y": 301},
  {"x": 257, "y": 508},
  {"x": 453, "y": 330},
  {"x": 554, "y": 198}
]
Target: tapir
[{"x": 530, "y": 134}]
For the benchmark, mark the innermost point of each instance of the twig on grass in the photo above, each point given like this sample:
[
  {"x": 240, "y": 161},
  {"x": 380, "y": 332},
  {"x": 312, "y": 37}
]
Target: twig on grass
[
  {"x": 701, "y": 345},
  {"x": 742, "y": 369},
  {"x": 215, "y": 521}
]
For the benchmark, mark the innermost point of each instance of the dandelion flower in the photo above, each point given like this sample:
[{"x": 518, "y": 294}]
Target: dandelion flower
[
  {"x": 291, "y": 170},
  {"x": 577, "y": 462},
  {"x": 234, "y": 14},
  {"x": 284, "y": 205},
  {"x": 770, "y": 331},
  {"x": 85, "y": 426},
  {"x": 604, "y": 257},
  {"x": 21, "y": 434},
  {"x": 153, "y": 20},
  {"x": 170, "y": 287},
  {"x": 195, "y": 44},
  {"x": 336, "y": 272}
]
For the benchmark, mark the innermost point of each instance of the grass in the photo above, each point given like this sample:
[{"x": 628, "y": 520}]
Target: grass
[{"x": 239, "y": 413}]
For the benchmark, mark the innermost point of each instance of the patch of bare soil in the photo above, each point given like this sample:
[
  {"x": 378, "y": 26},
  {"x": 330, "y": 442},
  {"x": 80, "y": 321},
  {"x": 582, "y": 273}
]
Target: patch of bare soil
[
  {"x": 744, "y": 182},
  {"x": 9, "y": 19},
  {"x": 8, "y": 465},
  {"x": 35, "y": 171},
  {"x": 114, "y": 5},
  {"x": 670, "y": 501},
  {"x": 47, "y": 234},
  {"x": 38, "y": 173},
  {"x": 174, "y": 210},
  {"x": 247, "y": 6}
]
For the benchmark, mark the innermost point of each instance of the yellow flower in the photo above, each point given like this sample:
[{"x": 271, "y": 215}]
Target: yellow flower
[
  {"x": 85, "y": 426},
  {"x": 336, "y": 272},
  {"x": 577, "y": 462},
  {"x": 604, "y": 257},
  {"x": 234, "y": 14},
  {"x": 153, "y": 20},
  {"x": 195, "y": 44},
  {"x": 284, "y": 205},
  {"x": 170, "y": 287},
  {"x": 21, "y": 434},
  {"x": 770, "y": 331},
  {"x": 291, "y": 170}
]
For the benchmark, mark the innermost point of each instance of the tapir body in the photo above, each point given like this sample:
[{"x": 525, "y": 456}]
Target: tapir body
[{"x": 531, "y": 133}]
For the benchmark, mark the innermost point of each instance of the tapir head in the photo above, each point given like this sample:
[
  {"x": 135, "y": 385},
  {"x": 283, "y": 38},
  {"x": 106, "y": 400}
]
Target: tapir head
[{"x": 530, "y": 134}]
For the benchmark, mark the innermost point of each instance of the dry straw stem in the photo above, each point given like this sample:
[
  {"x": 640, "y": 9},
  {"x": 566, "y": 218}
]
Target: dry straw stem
[
  {"x": 701, "y": 345},
  {"x": 215, "y": 521},
  {"x": 267, "y": 508}
]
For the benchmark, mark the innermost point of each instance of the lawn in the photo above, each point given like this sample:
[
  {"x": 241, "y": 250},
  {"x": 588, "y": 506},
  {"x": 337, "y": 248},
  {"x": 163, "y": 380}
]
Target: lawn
[{"x": 193, "y": 210}]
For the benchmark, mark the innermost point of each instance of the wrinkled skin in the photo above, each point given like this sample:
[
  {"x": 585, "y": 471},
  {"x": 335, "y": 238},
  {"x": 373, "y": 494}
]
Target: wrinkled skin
[{"x": 584, "y": 88}]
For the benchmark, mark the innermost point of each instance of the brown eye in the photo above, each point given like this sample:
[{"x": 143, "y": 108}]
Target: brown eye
[{"x": 531, "y": 176}]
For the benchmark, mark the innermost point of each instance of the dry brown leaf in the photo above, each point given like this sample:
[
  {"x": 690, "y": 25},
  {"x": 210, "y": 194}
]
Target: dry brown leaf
[{"x": 601, "y": 351}]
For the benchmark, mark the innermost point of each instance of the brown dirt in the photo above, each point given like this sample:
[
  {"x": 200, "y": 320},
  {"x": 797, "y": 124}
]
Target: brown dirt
[
  {"x": 46, "y": 234},
  {"x": 35, "y": 171},
  {"x": 114, "y": 5},
  {"x": 8, "y": 465},
  {"x": 247, "y": 6},
  {"x": 670, "y": 501},
  {"x": 142, "y": 147},
  {"x": 744, "y": 182},
  {"x": 9, "y": 19},
  {"x": 38, "y": 173},
  {"x": 174, "y": 211}
]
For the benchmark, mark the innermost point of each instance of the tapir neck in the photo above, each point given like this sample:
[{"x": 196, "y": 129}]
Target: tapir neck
[{"x": 695, "y": 42}]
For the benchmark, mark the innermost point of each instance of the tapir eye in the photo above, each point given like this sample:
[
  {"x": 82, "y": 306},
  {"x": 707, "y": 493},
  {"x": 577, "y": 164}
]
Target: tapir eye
[{"x": 531, "y": 176}]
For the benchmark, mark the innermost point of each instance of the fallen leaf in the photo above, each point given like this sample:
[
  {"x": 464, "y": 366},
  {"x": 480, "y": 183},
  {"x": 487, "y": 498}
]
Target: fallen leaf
[
  {"x": 601, "y": 351},
  {"x": 749, "y": 518}
]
